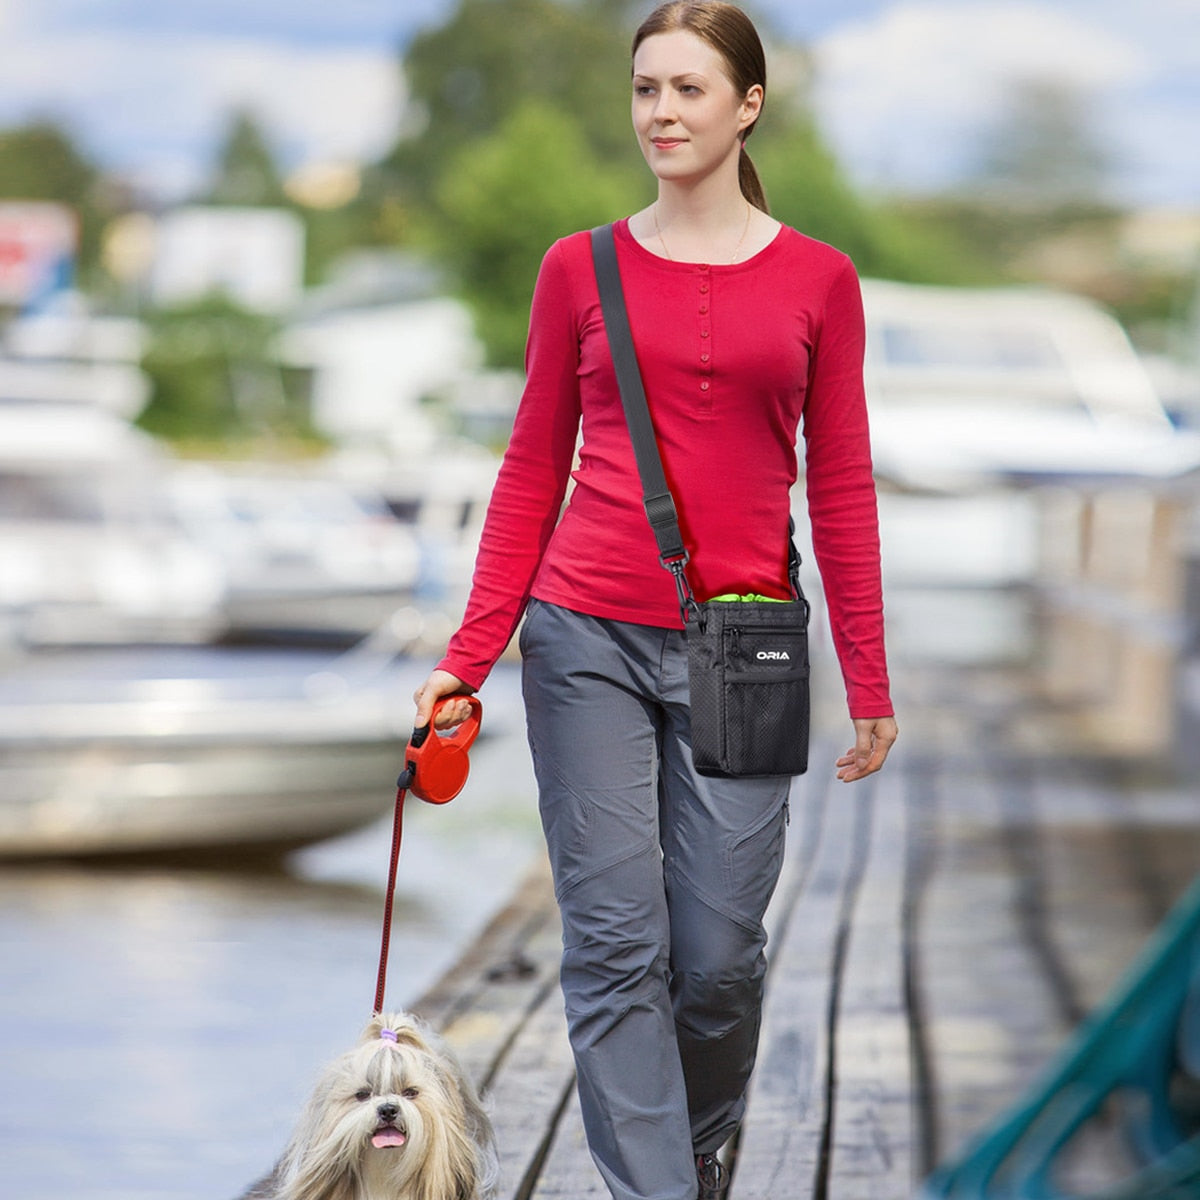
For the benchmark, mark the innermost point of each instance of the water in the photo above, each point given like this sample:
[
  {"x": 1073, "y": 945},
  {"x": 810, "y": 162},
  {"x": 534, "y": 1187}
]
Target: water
[{"x": 160, "y": 1028}]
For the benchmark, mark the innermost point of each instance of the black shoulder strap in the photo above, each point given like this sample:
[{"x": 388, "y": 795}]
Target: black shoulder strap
[{"x": 660, "y": 505}]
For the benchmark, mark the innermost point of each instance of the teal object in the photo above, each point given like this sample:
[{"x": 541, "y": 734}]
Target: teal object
[{"x": 1138, "y": 1054}]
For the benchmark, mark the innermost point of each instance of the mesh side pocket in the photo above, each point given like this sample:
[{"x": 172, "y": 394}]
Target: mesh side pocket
[{"x": 766, "y": 727}]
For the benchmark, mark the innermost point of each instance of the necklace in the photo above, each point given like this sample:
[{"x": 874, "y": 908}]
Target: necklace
[{"x": 733, "y": 256}]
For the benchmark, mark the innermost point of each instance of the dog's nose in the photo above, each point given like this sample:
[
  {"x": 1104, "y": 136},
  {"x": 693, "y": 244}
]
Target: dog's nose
[{"x": 388, "y": 1112}]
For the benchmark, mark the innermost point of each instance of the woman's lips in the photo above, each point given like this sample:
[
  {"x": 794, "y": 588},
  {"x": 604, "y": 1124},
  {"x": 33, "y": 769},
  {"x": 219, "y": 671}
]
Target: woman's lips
[{"x": 666, "y": 143}]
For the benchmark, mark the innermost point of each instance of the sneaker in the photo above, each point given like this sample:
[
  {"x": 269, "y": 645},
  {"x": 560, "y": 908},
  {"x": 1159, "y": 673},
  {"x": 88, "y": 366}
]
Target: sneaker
[{"x": 714, "y": 1179}]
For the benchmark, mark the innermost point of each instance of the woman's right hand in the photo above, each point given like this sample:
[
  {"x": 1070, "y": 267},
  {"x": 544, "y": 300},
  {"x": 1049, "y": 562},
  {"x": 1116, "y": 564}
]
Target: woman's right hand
[{"x": 442, "y": 683}]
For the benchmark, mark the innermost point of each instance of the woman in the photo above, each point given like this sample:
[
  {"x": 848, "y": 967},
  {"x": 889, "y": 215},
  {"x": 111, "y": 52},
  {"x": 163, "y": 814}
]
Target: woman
[{"x": 743, "y": 328}]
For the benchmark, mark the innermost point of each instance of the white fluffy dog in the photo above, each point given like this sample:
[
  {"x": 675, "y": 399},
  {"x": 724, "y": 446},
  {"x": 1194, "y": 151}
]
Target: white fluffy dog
[{"x": 393, "y": 1119}]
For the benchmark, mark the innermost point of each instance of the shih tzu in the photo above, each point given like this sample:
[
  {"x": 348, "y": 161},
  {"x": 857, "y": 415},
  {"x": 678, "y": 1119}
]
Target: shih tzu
[{"x": 395, "y": 1118}]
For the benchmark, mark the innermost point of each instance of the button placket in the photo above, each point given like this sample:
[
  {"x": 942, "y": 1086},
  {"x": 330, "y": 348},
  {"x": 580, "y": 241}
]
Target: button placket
[{"x": 704, "y": 306}]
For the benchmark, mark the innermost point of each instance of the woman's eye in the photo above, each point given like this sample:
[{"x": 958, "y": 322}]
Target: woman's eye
[
  {"x": 411, "y": 1093},
  {"x": 362, "y": 1094}
]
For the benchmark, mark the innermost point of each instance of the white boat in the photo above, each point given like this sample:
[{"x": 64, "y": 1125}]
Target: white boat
[
  {"x": 304, "y": 553},
  {"x": 197, "y": 751},
  {"x": 83, "y": 557},
  {"x": 968, "y": 388}
]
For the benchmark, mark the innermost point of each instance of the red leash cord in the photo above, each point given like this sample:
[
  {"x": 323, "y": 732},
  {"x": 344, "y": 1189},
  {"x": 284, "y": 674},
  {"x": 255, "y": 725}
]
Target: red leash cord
[
  {"x": 435, "y": 768},
  {"x": 397, "y": 823}
]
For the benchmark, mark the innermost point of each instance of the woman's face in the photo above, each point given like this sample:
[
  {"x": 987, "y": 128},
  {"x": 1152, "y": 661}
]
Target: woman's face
[{"x": 687, "y": 114}]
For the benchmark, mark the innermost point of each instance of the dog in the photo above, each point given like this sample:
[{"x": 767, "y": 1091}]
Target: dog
[{"x": 395, "y": 1118}]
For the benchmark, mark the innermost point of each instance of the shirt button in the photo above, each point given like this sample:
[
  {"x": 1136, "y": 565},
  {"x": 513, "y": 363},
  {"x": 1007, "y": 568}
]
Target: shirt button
[
  {"x": 703, "y": 309},
  {"x": 704, "y": 358},
  {"x": 704, "y": 385},
  {"x": 704, "y": 266},
  {"x": 703, "y": 288},
  {"x": 704, "y": 333}
]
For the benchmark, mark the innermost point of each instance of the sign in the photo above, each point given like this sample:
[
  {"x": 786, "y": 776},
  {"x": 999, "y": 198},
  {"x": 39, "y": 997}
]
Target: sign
[{"x": 38, "y": 242}]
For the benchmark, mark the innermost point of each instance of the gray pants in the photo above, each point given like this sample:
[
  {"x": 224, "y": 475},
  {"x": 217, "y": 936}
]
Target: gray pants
[{"x": 662, "y": 877}]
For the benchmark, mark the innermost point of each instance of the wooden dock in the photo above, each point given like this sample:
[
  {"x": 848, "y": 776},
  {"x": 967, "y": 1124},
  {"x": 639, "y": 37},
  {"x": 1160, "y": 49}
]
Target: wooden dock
[{"x": 936, "y": 933}]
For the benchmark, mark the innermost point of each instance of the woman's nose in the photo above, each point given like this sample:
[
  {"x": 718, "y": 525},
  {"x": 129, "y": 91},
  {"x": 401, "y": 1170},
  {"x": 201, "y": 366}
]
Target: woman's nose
[{"x": 664, "y": 107}]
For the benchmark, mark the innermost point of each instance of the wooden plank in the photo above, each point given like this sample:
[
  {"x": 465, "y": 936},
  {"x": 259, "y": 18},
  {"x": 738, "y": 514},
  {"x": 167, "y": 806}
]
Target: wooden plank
[
  {"x": 782, "y": 1147},
  {"x": 987, "y": 1017},
  {"x": 496, "y": 951},
  {"x": 1088, "y": 908},
  {"x": 1096, "y": 894},
  {"x": 569, "y": 1172},
  {"x": 483, "y": 1002},
  {"x": 529, "y": 1093},
  {"x": 872, "y": 1145}
]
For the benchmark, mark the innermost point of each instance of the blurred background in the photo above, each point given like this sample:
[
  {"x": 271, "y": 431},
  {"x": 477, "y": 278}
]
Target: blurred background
[{"x": 264, "y": 280}]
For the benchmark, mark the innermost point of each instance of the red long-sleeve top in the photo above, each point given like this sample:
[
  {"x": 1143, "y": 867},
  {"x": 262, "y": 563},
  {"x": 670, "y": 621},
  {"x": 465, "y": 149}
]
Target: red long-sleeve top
[{"x": 733, "y": 358}]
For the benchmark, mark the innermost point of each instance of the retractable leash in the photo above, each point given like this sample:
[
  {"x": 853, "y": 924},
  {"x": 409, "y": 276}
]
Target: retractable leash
[{"x": 435, "y": 769}]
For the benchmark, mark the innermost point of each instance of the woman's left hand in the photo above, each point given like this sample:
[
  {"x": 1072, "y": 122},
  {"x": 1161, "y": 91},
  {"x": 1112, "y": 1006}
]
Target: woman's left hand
[{"x": 873, "y": 738}]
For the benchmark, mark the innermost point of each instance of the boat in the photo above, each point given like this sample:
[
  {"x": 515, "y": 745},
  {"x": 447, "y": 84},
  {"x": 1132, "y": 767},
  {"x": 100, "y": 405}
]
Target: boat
[
  {"x": 305, "y": 554},
  {"x": 198, "y": 752},
  {"x": 968, "y": 388},
  {"x": 84, "y": 559}
]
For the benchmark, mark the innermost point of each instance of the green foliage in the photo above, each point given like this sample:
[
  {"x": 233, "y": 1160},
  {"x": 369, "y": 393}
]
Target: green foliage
[
  {"x": 245, "y": 171},
  {"x": 468, "y": 76},
  {"x": 40, "y": 162},
  {"x": 506, "y": 197},
  {"x": 214, "y": 376},
  {"x": 808, "y": 190}
]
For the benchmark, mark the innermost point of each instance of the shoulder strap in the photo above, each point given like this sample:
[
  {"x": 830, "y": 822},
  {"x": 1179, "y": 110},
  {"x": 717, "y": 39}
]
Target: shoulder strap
[{"x": 656, "y": 495}]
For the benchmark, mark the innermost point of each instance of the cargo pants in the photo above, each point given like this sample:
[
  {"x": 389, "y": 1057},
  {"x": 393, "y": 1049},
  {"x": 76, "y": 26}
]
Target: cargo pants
[{"x": 662, "y": 877}]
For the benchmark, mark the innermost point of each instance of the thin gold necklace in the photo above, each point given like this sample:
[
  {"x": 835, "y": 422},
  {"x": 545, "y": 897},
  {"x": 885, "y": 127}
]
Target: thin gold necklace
[{"x": 667, "y": 253}]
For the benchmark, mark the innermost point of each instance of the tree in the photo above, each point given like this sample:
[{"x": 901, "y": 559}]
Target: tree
[
  {"x": 467, "y": 77},
  {"x": 505, "y": 197},
  {"x": 245, "y": 170},
  {"x": 215, "y": 377},
  {"x": 808, "y": 190}
]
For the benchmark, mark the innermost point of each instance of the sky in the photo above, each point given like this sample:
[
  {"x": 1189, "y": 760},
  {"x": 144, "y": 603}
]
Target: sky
[{"x": 904, "y": 89}]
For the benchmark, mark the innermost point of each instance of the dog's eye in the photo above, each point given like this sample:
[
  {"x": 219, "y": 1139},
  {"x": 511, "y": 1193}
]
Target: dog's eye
[
  {"x": 362, "y": 1094},
  {"x": 411, "y": 1093}
]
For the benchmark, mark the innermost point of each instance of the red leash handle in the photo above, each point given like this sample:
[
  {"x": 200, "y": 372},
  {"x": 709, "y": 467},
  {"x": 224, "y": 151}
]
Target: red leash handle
[{"x": 435, "y": 768}]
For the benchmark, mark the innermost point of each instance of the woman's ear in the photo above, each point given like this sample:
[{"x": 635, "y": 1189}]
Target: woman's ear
[{"x": 751, "y": 106}]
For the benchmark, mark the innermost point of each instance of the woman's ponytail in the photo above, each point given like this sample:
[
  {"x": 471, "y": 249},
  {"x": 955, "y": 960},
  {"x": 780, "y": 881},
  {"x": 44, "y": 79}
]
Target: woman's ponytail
[{"x": 750, "y": 183}]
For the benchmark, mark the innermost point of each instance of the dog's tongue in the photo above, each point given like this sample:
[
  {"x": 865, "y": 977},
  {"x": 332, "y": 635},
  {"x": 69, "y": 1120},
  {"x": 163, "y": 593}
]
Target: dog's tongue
[{"x": 387, "y": 1137}]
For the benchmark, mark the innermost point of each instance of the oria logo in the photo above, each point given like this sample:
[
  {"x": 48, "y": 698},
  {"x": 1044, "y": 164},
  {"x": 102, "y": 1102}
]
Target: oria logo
[{"x": 773, "y": 656}]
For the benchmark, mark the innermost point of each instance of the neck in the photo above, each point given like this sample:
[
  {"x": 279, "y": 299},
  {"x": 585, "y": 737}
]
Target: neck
[
  {"x": 703, "y": 208},
  {"x": 702, "y": 232}
]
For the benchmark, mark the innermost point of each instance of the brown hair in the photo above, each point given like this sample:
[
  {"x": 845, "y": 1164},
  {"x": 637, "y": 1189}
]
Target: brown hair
[{"x": 732, "y": 34}]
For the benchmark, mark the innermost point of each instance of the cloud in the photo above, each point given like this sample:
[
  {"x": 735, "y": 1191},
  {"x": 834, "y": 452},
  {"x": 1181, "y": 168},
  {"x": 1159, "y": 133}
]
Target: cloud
[
  {"x": 155, "y": 103},
  {"x": 345, "y": 22},
  {"x": 904, "y": 96}
]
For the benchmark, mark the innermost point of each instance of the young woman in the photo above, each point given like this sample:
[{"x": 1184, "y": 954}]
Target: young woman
[{"x": 744, "y": 329}]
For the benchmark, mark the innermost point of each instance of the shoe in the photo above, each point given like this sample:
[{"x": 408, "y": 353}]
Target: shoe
[{"x": 714, "y": 1179}]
